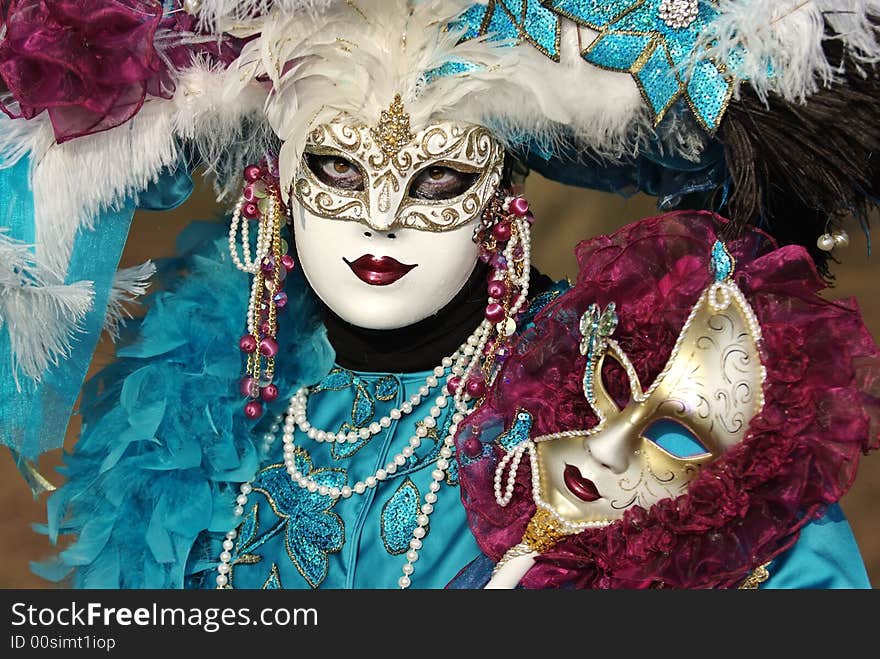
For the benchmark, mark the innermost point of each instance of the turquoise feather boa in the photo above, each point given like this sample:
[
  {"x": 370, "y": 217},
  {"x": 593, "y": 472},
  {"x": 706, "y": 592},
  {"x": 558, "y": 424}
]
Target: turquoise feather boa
[{"x": 165, "y": 441}]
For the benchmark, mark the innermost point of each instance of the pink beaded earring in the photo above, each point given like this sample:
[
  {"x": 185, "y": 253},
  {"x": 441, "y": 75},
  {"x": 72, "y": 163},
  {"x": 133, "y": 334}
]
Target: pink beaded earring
[
  {"x": 261, "y": 203},
  {"x": 504, "y": 237}
]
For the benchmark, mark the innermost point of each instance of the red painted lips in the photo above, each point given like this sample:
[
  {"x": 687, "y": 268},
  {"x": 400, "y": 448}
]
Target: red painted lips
[
  {"x": 378, "y": 270},
  {"x": 583, "y": 488}
]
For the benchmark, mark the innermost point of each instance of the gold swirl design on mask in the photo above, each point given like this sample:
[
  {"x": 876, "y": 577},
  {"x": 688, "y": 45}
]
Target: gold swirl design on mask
[
  {"x": 325, "y": 203},
  {"x": 465, "y": 147}
]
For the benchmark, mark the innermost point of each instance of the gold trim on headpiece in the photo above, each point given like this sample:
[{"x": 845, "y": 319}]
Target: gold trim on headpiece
[{"x": 393, "y": 132}]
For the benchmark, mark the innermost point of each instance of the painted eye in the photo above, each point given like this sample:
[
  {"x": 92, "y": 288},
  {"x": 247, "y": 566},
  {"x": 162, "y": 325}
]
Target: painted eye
[
  {"x": 438, "y": 182},
  {"x": 336, "y": 171},
  {"x": 675, "y": 439}
]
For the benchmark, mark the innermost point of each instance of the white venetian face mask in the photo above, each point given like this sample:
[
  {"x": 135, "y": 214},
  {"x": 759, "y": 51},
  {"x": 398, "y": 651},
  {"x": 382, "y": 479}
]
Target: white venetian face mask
[{"x": 384, "y": 219}]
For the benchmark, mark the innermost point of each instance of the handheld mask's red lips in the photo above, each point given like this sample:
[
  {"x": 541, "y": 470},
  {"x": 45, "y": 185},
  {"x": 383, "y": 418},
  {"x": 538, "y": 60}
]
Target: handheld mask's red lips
[
  {"x": 378, "y": 270},
  {"x": 583, "y": 488}
]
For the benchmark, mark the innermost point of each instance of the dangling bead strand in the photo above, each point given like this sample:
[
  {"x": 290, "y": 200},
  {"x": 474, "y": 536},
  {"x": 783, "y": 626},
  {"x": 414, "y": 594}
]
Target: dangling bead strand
[{"x": 260, "y": 201}]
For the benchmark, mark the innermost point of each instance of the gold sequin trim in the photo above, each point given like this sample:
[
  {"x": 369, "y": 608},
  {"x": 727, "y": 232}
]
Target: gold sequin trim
[
  {"x": 543, "y": 531},
  {"x": 758, "y": 576}
]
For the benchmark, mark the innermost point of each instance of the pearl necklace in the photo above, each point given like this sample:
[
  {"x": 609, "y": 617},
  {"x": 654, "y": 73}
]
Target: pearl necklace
[
  {"x": 299, "y": 402},
  {"x": 463, "y": 364}
]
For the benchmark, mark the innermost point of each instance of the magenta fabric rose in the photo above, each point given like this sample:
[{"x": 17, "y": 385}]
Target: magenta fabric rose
[{"x": 89, "y": 63}]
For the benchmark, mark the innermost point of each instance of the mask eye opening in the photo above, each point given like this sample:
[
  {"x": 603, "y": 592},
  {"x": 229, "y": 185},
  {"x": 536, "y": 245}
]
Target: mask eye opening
[
  {"x": 675, "y": 439},
  {"x": 335, "y": 171},
  {"x": 440, "y": 183}
]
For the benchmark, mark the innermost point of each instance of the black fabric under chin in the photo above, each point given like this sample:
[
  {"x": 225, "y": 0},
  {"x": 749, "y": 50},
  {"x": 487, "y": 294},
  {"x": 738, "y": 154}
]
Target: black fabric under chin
[{"x": 420, "y": 346}]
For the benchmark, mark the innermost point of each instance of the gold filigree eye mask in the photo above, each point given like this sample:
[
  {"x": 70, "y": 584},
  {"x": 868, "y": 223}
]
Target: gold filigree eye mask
[{"x": 393, "y": 167}]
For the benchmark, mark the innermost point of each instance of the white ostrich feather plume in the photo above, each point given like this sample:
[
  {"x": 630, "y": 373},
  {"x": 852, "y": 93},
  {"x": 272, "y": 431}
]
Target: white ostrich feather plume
[
  {"x": 357, "y": 57},
  {"x": 778, "y": 43},
  {"x": 41, "y": 314}
]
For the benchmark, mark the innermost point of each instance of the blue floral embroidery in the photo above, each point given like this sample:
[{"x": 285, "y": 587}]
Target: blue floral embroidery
[
  {"x": 398, "y": 520},
  {"x": 312, "y": 530},
  {"x": 363, "y": 410},
  {"x": 273, "y": 582}
]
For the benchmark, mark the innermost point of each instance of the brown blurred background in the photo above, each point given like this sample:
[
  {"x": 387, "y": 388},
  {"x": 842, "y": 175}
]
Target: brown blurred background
[{"x": 564, "y": 216}]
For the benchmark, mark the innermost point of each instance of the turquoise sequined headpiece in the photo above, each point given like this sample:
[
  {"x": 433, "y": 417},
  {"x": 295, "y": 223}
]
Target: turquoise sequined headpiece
[{"x": 645, "y": 38}]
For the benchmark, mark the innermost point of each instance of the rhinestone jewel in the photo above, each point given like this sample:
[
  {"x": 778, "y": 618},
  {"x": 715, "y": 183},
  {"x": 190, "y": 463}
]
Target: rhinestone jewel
[{"x": 678, "y": 14}]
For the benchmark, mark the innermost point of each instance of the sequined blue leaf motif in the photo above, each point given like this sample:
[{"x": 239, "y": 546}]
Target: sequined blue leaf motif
[
  {"x": 514, "y": 20},
  {"x": 363, "y": 409},
  {"x": 248, "y": 529},
  {"x": 634, "y": 38},
  {"x": 312, "y": 530},
  {"x": 273, "y": 582},
  {"x": 335, "y": 380},
  {"x": 398, "y": 518},
  {"x": 386, "y": 388},
  {"x": 452, "y": 472},
  {"x": 723, "y": 263},
  {"x": 470, "y": 21},
  {"x": 347, "y": 449},
  {"x": 518, "y": 432}
]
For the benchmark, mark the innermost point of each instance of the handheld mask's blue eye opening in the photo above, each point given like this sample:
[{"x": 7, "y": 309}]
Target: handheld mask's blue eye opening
[{"x": 676, "y": 439}]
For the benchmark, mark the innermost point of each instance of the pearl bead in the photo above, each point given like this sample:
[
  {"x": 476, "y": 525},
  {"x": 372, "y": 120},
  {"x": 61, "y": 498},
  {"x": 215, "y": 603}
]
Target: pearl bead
[
  {"x": 437, "y": 475},
  {"x": 403, "y": 582},
  {"x": 239, "y": 511},
  {"x": 222, "y": 580},
  {"x": 427, "y": 508},
  {"x": 246, "y": 488},
  {"x": 395, "y": 414},
  {"x": 825, "y": 242},
  {"x": 381, "y": 474},
  {"x": 408, "y": 569},
  {"x": 412, "y": 556},
  {"x": 364, "y": 433},
  {"x": 439, "y": 371},
  {"x": 407, "y": 451},
  {"x": 399, "y": 460},
  {"x": 385, "y": 421},
  {"x": 391, "y": 467},
  {"x": 345, "y": 491},
  {"x": 359, "y": 487},
  {"x": 375, "y": 428},
  {"x": 225, "y": 556},
  {"x": 419, "y": 532},
  {"x": 223, "y": 568},
  {"x": 415, "y": 543},
  {"x": 370, "y": 481},
  {"x": 241, "y": 499},
  {"x": 841, "y": 238},
  {"x": 227, "y": 545}
]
